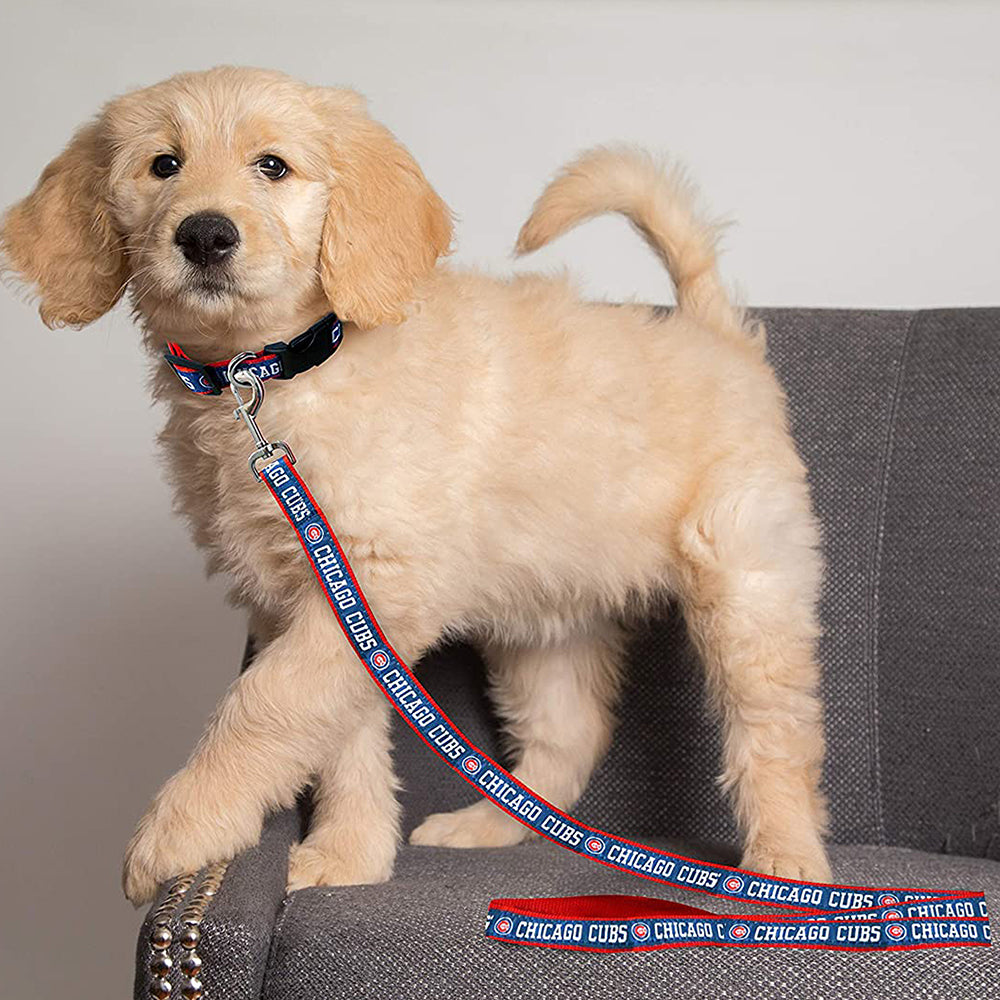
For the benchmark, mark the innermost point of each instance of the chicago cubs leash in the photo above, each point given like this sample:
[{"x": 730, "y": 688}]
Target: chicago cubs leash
[{"x": 846, "y": 918}]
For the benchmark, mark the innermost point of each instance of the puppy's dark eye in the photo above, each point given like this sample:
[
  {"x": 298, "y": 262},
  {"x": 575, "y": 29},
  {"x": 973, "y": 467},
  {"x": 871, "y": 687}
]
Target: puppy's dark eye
[
  {"x": 272, "y": 167},
  {"x": 165, "y": 165}
]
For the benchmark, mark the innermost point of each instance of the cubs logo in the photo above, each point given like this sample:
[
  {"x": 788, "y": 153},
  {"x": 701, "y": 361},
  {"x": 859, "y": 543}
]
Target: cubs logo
[
  {"x": 887, "y": 899},
  {"x": 204, "y": 381},
  {"x": 733, "y": 884},
  {"x": 594, "y": 844},
  {"x": 314, "y": 532},
  {"x": 739, "y": 932},
  {"x": 379, "y": 659},
  {"x": 503, "y": 926},
  {"x": 896, "y": 931},
  {"x": 892, "y": 915},
  {"x": 471, "y": 765},
  {"x": 641, "y": 932}
]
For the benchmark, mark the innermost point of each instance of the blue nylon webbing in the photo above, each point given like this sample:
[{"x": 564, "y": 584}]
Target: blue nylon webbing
[
  {"x": 847, "y": 918},
  {"x": 210, "y": 378}
]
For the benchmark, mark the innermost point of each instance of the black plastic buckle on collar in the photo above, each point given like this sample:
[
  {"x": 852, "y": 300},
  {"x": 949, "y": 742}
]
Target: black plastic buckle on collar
[{"x": 308, "y": 349}]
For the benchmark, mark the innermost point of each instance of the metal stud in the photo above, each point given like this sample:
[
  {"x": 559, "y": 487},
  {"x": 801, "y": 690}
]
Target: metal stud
[
  {"x": 159, "y": 989},
  {"x": 161, "y": 964},
  {"x": 191, "y": 964},
  {"x": 161, "y": 938},
  {"x": 190, "y": 936},
  {"x": 191, "y": 990}
]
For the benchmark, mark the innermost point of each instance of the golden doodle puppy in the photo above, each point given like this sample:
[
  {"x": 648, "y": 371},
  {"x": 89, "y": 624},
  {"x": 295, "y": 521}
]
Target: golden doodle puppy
[{"x": 502, "y": 461}]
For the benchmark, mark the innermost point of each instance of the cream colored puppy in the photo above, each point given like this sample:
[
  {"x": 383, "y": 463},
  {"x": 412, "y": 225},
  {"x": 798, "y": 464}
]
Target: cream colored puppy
[{"x": 501, "y": 461}]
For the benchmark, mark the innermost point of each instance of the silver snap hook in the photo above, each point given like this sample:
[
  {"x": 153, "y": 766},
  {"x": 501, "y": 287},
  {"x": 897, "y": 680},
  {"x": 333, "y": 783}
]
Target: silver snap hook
[{"x": 240, "y": 374}]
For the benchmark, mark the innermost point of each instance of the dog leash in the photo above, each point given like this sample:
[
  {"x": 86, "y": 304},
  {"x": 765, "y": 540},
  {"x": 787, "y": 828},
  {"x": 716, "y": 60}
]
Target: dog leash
[{"x": 835, "y": 917}]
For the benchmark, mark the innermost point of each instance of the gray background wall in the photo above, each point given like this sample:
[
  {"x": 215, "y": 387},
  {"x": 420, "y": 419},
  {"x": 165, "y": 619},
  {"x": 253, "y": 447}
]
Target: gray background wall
[{"x": 856, "y": 145}]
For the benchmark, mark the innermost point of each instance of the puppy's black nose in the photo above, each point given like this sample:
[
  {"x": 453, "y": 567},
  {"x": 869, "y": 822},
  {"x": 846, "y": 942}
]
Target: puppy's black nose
[{"x": 207, "y": 237}]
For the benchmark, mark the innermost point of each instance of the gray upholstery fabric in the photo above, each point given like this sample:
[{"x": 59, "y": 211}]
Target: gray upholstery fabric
[
  {"x": 938, "y": 624},
  {"x": 421, "y": 936},
  {"x": 840, "y": 369},
  {"x": 897, "y": 416}
]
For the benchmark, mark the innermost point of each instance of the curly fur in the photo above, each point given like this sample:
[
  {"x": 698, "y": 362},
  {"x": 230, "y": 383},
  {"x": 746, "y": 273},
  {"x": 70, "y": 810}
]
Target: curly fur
[{"x": 502, "y": 461}]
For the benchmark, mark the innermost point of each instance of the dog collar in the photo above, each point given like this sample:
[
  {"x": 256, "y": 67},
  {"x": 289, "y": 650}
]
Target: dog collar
[{"x": 277, "y": 360}]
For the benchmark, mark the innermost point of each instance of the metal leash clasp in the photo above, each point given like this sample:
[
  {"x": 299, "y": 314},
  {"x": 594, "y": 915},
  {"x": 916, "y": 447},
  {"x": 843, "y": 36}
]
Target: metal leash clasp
[{"x": 247, "y": 411}]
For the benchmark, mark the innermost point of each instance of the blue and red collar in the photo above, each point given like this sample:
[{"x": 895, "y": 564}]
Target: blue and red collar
[{"x": 277, "y": 360}]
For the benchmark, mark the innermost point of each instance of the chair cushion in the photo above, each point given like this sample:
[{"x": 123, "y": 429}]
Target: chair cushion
[{"x": 421, "y": 935}]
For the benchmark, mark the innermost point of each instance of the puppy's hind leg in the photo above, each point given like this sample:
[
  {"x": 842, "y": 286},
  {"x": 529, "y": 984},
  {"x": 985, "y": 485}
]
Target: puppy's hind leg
[
  {"x": 751, "y": 578},
  {"x": 556, "y": 703}
]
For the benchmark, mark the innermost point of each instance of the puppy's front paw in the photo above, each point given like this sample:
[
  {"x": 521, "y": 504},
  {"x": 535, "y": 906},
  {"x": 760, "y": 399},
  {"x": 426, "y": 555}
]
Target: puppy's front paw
[
  {"x": 803, "y": 865},
  {"x": 478, "y": 825},
  {"x": 179, "y": 835},
  {"x": 139, "y": 873},
  {"x": 154, "y": 854},
  {"x": 309, "y": 865}
]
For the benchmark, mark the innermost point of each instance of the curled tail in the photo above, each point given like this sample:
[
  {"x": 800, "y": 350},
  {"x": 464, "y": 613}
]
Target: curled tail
[{"x": 659, "y": 202}]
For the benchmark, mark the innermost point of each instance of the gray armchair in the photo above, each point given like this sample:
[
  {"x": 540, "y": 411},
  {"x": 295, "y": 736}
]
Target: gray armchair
[{"x": 897, "y": 415}]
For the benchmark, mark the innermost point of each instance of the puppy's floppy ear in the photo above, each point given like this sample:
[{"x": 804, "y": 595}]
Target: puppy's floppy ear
[
  {"x": 61, "y": 240},
  {"x": 385, "y": 226}
]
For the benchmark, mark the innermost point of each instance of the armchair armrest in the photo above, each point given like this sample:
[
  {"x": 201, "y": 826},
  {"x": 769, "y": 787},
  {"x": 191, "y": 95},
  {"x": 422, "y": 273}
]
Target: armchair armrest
[{"x": 212, "y": 929}]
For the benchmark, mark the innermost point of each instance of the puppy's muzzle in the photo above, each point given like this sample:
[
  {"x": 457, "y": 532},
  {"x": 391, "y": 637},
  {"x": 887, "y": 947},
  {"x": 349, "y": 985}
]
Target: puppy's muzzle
[{"x": 207, "y": 238}]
